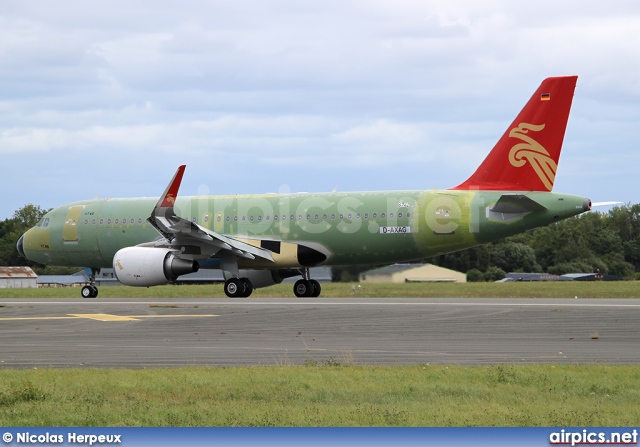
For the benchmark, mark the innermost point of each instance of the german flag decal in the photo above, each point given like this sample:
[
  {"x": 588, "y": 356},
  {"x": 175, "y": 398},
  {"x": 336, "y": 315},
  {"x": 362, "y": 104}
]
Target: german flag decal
[{"x": 545, "y": 96}]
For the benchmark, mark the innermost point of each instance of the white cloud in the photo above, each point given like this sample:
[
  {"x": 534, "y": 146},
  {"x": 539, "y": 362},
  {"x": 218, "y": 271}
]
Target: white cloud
[{"x": 301, "y": 92}]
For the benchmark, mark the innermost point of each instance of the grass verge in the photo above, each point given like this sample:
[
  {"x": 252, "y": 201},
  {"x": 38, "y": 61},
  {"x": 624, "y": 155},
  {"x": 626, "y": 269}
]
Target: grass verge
[
  {"x": 565, "y": 289},
  {"x": 328, "y": 394}
]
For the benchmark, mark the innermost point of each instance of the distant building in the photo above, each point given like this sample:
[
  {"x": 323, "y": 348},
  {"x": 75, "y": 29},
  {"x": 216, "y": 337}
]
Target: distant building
[
  {"x": 412, "y": 273},
  {"x": 18, "y": 278},
  {"x": 75, "y": 280},
  {"x": 106, "y": 277},
  {"x": 204, "y": 276}
]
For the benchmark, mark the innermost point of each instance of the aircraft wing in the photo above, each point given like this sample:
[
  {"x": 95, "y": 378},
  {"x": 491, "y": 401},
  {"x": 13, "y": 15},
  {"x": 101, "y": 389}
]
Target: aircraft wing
[{"x": 191, "y": 237}]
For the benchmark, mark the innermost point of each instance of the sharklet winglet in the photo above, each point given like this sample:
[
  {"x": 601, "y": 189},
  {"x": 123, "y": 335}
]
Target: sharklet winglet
[{"x": 170, "y": 194}]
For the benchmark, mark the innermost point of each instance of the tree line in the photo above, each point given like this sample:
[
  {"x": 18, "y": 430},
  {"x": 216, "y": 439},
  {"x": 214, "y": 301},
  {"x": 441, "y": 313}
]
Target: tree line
[
  {"x": 10, "y": 231},
  {"x": 608, "y": 243}
]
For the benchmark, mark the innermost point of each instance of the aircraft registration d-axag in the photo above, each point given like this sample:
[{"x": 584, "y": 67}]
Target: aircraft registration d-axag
[{"x": 258, "y": 240}]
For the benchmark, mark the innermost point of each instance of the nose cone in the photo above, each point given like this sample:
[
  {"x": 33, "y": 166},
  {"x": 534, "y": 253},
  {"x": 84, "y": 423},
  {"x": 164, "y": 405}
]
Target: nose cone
[{"x": 20, "y": 246}]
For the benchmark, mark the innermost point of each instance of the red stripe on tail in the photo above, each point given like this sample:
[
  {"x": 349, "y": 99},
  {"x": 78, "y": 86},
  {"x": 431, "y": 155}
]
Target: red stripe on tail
[{"x": 526, "y": 157}]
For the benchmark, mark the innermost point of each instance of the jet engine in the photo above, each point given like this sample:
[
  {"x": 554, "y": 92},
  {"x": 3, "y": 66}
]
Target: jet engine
[{"x": 148, "y": 266}]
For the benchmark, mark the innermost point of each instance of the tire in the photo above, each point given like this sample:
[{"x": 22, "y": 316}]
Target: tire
[
  {"x": 248, "y": 287},
  {"x": 315, "y": 287},
  {"x": 302, "y": 288},
  {"x": 233, "y": 287},
  {"x": 89, "y": 292}
]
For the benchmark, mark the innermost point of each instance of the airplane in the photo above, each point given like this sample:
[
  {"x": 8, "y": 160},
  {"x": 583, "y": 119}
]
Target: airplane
[{"x": 259, "y": 240}]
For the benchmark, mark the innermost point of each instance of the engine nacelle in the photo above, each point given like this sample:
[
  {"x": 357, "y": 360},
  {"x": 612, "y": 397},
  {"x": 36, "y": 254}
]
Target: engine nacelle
[
  {"x": 148, "y": 266},
  {"x": 266, "y": 278}
]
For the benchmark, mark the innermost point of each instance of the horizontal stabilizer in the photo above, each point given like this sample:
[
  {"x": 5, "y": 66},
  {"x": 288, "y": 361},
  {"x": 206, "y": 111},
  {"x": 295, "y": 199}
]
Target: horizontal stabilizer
[{"x": 516, "y": 204}]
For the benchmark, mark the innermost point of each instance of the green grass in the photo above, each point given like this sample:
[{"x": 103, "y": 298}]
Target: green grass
[
  {"x": 566, "y": 289},
  {"x": 331, "y": 393},
  {"x": 324, "y": 395}
]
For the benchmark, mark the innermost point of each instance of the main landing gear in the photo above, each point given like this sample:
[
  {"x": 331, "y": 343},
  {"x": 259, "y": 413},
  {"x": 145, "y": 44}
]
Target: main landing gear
[
  {"x": 306, "y": 287},
  {"x": 238, "y": 287},
  {"x": 90, "y": 291},
  {"x": 242, "y": 287}
]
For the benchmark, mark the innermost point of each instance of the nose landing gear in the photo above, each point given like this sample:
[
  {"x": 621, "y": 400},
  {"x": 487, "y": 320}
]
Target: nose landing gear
[{"x": 91, "y": 291}]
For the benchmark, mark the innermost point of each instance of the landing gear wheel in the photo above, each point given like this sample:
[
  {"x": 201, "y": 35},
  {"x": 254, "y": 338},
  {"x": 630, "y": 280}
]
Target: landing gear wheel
[
  {"x": 89, "y": 292},
  {"x": 248, "y": 287},
  {"x": 315, "y": 287},
  {"x": 234, "y": 287},
  {"x": 303, "y": 288}
]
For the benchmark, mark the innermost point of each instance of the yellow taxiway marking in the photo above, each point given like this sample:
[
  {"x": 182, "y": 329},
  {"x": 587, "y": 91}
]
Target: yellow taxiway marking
[{"x": 106, "y": 317}]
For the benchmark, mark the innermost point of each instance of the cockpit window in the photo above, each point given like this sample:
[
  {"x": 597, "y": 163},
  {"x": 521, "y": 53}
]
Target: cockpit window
[
  {"x": 40, "y": 222},
  {"x": 46, "y": 222}
]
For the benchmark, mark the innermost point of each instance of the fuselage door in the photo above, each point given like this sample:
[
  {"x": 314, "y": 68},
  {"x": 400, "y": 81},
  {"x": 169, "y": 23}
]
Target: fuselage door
[{"x": 70, "y": 227}]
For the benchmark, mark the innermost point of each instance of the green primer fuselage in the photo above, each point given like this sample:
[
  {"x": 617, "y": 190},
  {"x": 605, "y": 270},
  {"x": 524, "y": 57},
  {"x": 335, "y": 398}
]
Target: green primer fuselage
[{"x": 349, "y": 228}]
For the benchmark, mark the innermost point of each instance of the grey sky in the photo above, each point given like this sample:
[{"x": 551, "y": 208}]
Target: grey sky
[{"x": 107, "y": 98}]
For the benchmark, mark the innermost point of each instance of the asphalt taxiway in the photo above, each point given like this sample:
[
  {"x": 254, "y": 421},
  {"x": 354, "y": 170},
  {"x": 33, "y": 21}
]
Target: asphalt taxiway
[{"x": 139, "y": 333}]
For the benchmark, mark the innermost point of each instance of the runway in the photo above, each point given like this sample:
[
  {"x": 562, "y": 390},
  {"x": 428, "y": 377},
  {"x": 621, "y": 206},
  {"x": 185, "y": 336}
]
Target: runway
[{"x": 138, "y": 333}]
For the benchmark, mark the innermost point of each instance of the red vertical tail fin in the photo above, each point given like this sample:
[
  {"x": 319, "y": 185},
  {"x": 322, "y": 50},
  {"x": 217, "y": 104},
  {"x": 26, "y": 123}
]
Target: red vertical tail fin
[{"x": 526, "y": 157}]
